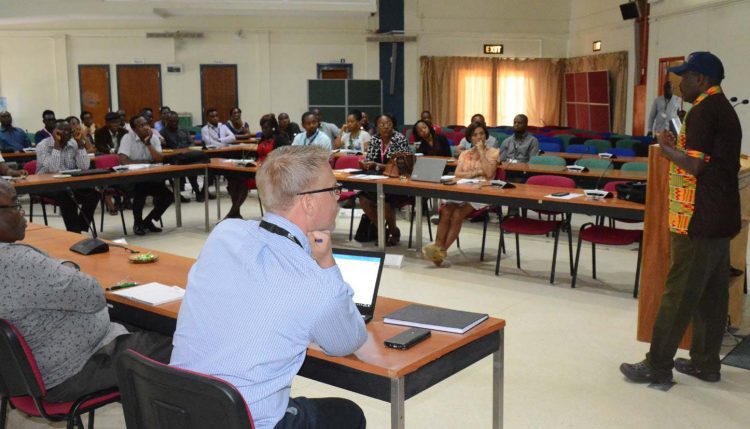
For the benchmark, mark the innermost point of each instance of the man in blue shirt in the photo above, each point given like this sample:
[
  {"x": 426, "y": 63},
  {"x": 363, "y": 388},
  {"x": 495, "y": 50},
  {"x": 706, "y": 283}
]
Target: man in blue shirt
[
  {"x": 261, "y": 292},
  {"x": 50, "y": 122},
  {"x": 12, "y": 139}
]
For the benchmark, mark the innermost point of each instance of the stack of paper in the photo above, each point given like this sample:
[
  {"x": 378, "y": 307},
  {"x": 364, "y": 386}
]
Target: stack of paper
[{"x": 152, "y": 293}]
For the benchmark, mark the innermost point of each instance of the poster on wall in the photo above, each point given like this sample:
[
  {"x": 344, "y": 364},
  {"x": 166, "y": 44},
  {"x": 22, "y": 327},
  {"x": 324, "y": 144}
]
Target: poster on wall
[{"x": 3, "y": 104}]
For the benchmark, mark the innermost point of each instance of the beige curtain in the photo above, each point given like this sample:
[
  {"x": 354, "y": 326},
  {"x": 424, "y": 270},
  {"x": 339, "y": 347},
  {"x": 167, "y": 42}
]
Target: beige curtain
[
  {"x": 455, "y": 88},
  {"x": 617, "y": 65}
]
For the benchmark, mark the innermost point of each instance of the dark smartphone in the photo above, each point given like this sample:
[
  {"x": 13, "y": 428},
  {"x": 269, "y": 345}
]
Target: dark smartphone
[
  {"x": 408, "y": 338},
  {"x": 560, "y": 194},
  {"x": 449, "y": 182}
]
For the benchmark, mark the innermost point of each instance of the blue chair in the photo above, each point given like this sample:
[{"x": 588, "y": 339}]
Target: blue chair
[
  {"x": 581, "y": 148},
  {"x": 550, "y": 147},
  {"x": 621, "y": 152}
]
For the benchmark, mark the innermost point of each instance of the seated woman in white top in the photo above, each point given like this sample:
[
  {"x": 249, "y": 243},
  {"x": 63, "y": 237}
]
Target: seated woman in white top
[
  {"x": 352, "y": 136},
  {"x": 479, "y": 162}
]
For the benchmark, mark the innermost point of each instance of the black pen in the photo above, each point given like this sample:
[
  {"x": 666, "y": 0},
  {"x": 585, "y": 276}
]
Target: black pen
[{"x": 121, "y": 286}]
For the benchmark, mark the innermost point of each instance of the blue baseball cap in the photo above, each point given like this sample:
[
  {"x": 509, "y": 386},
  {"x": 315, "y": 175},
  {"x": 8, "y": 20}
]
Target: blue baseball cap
[{"x": 701, "y": 62}]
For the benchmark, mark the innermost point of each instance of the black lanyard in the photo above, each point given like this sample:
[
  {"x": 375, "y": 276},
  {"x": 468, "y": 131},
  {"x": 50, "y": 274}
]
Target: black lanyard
[{"x": 279, "y": 231}]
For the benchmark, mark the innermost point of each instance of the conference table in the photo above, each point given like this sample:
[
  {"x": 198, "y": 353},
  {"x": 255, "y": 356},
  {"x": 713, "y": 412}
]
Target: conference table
[{"x": 373, "y": 370}]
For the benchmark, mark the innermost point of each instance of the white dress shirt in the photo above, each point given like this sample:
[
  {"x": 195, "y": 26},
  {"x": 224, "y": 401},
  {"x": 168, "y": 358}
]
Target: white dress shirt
[{"x": 217, "y": 136}]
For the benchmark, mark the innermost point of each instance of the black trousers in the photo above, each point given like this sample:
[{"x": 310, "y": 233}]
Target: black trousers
[
  {"x": 99, "y": 372},
  {"x": 162, "y": 195},
  {"x": 322, "y": 413},
  {"x": 75, "y": 221}
]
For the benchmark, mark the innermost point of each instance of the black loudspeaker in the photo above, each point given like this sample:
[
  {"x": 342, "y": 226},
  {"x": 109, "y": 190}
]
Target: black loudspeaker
[
  {"x": 90, "y": 246},
  {"x": 629, "y": 11}
]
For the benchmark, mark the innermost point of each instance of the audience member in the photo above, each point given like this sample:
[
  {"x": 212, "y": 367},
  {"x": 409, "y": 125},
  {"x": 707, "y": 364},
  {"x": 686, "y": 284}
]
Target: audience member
[
  {"x": 81, "y": 133},
  {"x": 62, "y": 314},
  {"x": 88, "y": 121},
  {"x": 465, "y": 143},
  {"x": 270, "y": 140},
  {"x": 428, "y": 142},
  {"x": 313, "y": 134},
  {"x": 331, "y": 130},
  {"x": 383, "y": 145},
  {"x": 353, "y": 137},
  {"x": 158, "y": 125},
  {"x": 215, "y": 134},
  {"x": 66, "y": 151},
  {"x": 427, "y": 117},
  {"x": 138, "y": 147},
  {"x": 50, "y": 122},
  {"x": 124, "y": 120},
  {"x": 288, "y": 128},
  {"x": 478, "y": 162},
  {"x": 664, "y": 109},
  {"x": 521, "y": 146},
  {"x": 12, "y": 139},
  {"x": 107, "y": 139},
  {"x": 367, "y": 126},
  {"x": 237, "y": 126},
  {"x": 282, "y": 271},
  {"x": 178, "y": 138}
]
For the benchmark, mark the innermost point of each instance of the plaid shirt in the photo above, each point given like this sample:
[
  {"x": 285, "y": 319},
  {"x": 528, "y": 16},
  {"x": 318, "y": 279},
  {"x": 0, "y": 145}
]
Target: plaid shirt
[{"x": 51, "y": 160}]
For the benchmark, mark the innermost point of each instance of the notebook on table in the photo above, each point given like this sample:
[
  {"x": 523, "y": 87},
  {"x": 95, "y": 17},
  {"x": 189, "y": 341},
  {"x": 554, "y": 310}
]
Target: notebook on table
[
  {"x": 362, "y": 270},
  {"x": 435, "y": 318},
  {"x": 153, "y": 293},
  {"x": 428, "y": 169}
]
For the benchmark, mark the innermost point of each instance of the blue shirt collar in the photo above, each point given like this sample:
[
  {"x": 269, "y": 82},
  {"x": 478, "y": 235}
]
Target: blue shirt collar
[{"x": 289, "y": 226}]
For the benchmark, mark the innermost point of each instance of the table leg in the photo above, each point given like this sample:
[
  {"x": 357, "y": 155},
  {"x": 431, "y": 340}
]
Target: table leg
[
  {"x": 418, "y": 234},
  {"x": 218, "y": 200},
  {"x": 381, "y": 217},
  {"x": 498, "y": 370},
  {"x": 205, "y": 198},
  {"x": 397, "y": 403},
  {"x": 177, "y": 202}
]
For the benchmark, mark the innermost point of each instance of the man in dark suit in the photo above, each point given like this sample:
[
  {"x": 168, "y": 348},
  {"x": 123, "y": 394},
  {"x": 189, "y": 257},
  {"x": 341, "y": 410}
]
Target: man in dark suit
[{"x": 107, "y": 139}]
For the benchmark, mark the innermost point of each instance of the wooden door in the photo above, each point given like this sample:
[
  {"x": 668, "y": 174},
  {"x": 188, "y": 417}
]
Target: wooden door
[
  {"x": 139, "y": 86},
  {"x": 95, "y": 91},
  {"x": 664, "y": 64},
  {"x": 219, "y": 89}
]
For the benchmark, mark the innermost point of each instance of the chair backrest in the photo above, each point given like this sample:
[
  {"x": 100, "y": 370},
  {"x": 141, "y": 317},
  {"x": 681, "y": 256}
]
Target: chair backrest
[
  {"x": 594, "y": 163},
  {"x": 634, "y": 166},
  {"x": 580, "y": 148},
  {"x": 547, "y": 160},
  {"x": 107, "y": 161},
  {"x": 551, "y": 180},
  {"x": 626, "y": 143},
  {"x": 19, "y": 374},
  {"x": 159, "y": 396},
  {"x": 348, "y": 161},
  {"x": 621, "y": 152},
  {"x": 610, "y": 186},
  {"x": 599, "y": 144},
  {"x": 565, "y": 138},
  {"x": 30, "y": 167},
  {"x": 550, "y": 146}
]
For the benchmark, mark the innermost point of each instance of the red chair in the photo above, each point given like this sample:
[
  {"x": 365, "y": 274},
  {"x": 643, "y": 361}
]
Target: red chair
[
  {"x": 611, "y": 236},
  {"x": 159, "y": 396},
  {"x": 22, "y": 387},
  {"x": 30, "y": 167},
  {"x": 523, "y": 225},
  {"x": 349, "y": 161},
  {"x": 109, "y": 161}
]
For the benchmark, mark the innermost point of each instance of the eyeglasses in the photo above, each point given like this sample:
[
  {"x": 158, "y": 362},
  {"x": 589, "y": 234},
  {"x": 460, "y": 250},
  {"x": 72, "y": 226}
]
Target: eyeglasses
[
  {"x": 17, "y": 206},
  {"x": 335, "y": 189}
]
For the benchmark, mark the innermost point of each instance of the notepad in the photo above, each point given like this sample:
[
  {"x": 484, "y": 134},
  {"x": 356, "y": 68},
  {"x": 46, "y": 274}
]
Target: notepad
[
  {"x": 153, "y": 293},
  {"x": 435, "y": 318}
]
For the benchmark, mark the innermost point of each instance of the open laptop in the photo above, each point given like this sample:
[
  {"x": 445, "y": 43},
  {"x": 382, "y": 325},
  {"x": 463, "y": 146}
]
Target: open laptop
[
  {"x": 362, "y": 270},
  {"x": 428, "y": 169}
]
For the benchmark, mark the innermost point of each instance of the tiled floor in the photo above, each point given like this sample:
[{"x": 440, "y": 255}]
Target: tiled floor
[{"x": 563, "y": 345}]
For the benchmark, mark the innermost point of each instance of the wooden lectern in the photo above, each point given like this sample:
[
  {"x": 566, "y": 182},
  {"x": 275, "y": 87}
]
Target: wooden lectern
[{"x": 656, "y": 247}]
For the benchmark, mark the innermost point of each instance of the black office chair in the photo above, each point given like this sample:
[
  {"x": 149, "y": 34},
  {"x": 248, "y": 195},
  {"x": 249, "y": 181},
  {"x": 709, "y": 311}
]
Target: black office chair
[
  {"x": 22, "y": 387},
  {"x": 159, "y": 396}
]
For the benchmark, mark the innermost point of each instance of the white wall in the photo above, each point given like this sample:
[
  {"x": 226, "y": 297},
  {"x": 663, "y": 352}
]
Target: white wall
[{"x": 679, "y": 28}]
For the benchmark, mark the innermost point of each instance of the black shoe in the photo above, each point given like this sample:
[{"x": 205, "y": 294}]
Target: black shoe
[
  {"x": 686, "y": 366},
  {"x": 138, "y": 229},
  {"x": 184, "y": 199},
  {"x": 211, "y": 196},
  {"x": 641, "y": 372},
  {"x": 200, "y": 197},
  {"x": 149, "y": 225}
]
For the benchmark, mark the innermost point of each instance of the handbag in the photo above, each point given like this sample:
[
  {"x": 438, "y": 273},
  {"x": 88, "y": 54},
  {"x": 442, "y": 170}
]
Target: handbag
[
  {"x": 632, "y": 191},
  {"x": 400, "y": 164},
  {"x": 366, "y": 231}
]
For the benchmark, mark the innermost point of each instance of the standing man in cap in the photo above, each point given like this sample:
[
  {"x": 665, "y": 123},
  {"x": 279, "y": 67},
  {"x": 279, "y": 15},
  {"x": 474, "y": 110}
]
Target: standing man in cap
[{"x": 704, "y": 214}]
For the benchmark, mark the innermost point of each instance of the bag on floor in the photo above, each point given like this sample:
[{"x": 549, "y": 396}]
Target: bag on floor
[{"x": 366, "y": 231}]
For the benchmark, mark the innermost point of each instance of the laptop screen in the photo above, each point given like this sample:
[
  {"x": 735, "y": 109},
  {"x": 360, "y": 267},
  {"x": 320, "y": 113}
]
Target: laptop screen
[{"x": 362, "y": 270}]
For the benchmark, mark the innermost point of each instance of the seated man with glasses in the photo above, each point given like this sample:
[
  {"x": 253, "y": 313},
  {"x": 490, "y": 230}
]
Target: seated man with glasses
[
  {"x": 62, "y": 314},
  {"x": 261, "y": 292}
]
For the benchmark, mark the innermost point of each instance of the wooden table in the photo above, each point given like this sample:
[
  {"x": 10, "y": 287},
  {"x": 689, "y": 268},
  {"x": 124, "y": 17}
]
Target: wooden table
[
  {"x": 592, "y": 178},
  {"x": 373, "y": 370}
]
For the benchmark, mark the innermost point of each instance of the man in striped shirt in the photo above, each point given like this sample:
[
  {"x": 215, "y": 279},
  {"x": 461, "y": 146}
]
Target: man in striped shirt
[
  {"x": 62, "y": 152},
  {"x": 261, "y": 292}
]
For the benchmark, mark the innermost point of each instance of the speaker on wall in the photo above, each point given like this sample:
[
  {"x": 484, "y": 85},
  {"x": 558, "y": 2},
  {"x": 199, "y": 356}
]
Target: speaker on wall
[{"x": 629, "y": 11}]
